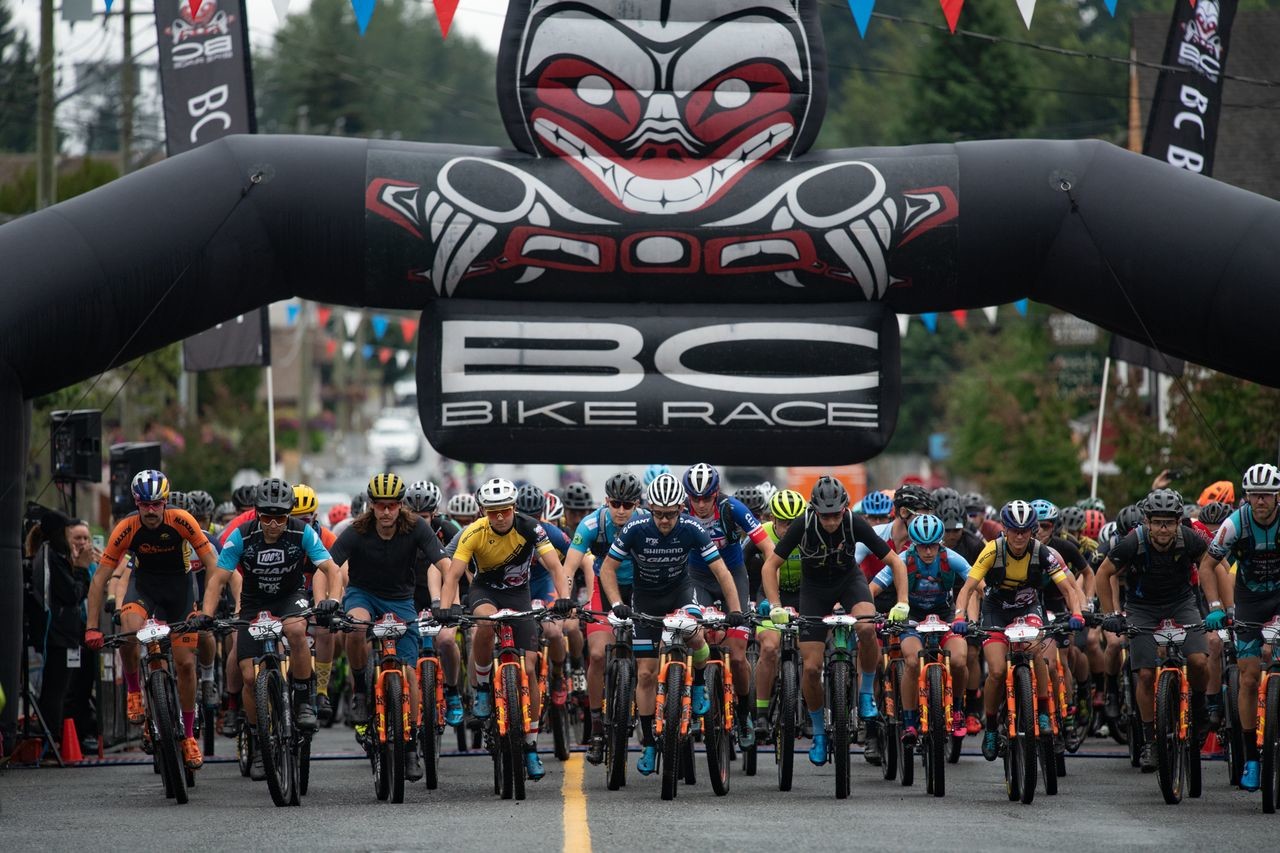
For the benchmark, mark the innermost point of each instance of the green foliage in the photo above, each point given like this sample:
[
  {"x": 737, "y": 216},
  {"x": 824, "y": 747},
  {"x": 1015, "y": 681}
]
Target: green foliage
[
  {"x": 18, "y": 84},
  {"x": 400, "y": 80},
  {"x": 19, "y": 196}
]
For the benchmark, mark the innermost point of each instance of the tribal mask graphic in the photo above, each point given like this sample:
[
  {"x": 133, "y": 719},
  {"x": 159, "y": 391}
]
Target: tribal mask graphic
[{"x": 663, "y": 105}]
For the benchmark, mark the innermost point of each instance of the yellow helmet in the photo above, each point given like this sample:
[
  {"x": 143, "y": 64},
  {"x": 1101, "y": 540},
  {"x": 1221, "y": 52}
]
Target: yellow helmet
[
  {"x": 305, "y": 501},
  {"x": 386, "y": 487},
  {"x": 787, "y": 505}
]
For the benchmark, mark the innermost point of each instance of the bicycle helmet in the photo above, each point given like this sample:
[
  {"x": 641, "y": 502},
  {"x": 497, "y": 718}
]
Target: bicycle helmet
[
  {"x": 1263, "y": 477},
  {"x": 1092, "y": 503},
  {"x": 1163, "y": 502},
  {"x": 149, "y": 485},
  {"x": 1223, "y": 490},
  {"x": 1129, "y": 518},
  {"x": 1018, "y": 515},
  {"x": 653, "y": 472},
  {"x": 1190, "y": 511},
  {"x": 578, "y": 497},
  {"x": 531, "y": 500},
  {"x": 1072, "y": 518},
  {"x": 877, "y": 503},
  {"x": 973, "y": 502},
  {"x": 952, "y": 515},
  {"x": 914, "y": 497},
  {"x": 1094, "y": 521},
  {"x": 338, "y": 513},
  {"x": 787, "y": 505},
  {"x": 829, "y": 495},
  {"x": 420, "y": 497},
  {"x": 768, "y": 490},
  {"x": 554, "y": 511},
  {"x": 305, "y": 501},
  {"x": 202, "y": 505},
  {"x": 1214, "y": 512},
  {"x": 359, "y": 503},
  {"x": 701, "y": 480},
  {"x": 1108, "y": 532},
  {"x": 244, "y": 496},
  {"x": 925, "y": 529},
  {"x": 385, "y": 487},
  {"x": 274, "y": 497},
  {"x": 1047, "y": 511},
  {"x": 943, "y": 493},
  {"x": 752, "y": 498},
  {"x": 226, "y": 509},
  {"x": 496, "y": 493},
  {"x": 665, "y": 490},
  {"x": 463, "y": 504},
  {"x": 624, "y": 486},
  {"x": 179, "y": 500}
]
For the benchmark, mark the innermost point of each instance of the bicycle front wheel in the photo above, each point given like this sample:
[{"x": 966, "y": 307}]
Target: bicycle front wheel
[
  {"x": 1023, "y": 746},
  {"x": 714, "y": 736},
  {"x": 788, "y": 716},
  {"x": 621, "y": 693},
  {"x": 1234, "y": 739},
  {"x": 1171, "y": 772},
  {"x": 514, "y": 746},
  {"x": 164, "y": 719},
  {"x": 670, "y": 711},
  {"x": 271, "y": 694},
  {"x": 429, "y": 727},
  {"x": 937, "y": 735},
  {"x": 841, "y": 723},
  {"x": 906, "y": 757},
  {"x": 1270, "y": 752}
]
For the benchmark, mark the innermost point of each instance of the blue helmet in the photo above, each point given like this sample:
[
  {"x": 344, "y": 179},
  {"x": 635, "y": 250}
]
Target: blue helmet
[
  {"x": 1046, "y": 511},
  {"x": 653, "y": 472},
  {"x": 150, "y": 485},
  {"x": 877, "y": 503},
  {"x": 925, "y": 529},
  {"x": 1018, "y": 515},
  {"x": 701, "y": 480}
]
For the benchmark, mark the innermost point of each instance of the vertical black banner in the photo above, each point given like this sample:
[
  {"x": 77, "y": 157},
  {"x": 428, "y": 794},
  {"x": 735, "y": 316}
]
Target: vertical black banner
[
  {"x": 242, "y": 342},
  {"x": 204, "y": 72}
]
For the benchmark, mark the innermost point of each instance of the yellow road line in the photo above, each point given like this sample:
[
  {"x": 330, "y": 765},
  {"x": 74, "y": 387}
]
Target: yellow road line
[{"x": 577, "y": 834}]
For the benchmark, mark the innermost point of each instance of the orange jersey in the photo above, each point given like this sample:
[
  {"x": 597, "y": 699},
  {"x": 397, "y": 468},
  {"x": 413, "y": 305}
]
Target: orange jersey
[{"x": 162, "y": 551}]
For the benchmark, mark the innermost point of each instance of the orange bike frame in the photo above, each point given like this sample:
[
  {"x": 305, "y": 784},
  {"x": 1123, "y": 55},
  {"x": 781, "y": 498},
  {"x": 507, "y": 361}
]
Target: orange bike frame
[
  {"x": 922, "y": 688},
  {"x": 438, "y": 690},
  {"x": 1262, "y": 706},
  {"x": 686, "y": 712},
  {"x": 501, "y": 700},
  {"x": 892, "y": 652}
]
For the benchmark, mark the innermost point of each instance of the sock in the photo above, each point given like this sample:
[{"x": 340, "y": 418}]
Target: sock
[
  {"x": 911, "y": 718},
  {"x": 762, "y": 705},
  {"x": 1097, "y": 681},
  {"x": 646, "y": 730},
  {"x": 972, "y": 698},
  {"x": 1113, "y": 683},
  {"x": 867, "y": 682},
  {"x": 819, "y": 722},
  {"x": 360, "y": 681},
  {"x": 206, "y": 672},
  {"x": 597, "y": 722},
  {"x": 301, "y": 690},
  {"x": 132, "y": 682},
  {"x": 531, "y": 739},
  {"x": 324, "y": 669},
  {"x": 576, "y": 663},
  {"x": 1214, "y": 699},
  {"x": 1250, "y": 744},
  {"x": 189, "y": 722},
  {"x": 993, "y": 720},
  {"x": 699, "y": 677},
  {"x": 1149, "y": 731},
  {"x": 1042, "y": 704},
  {"x": 450, "y": 691},
  {"x": 482, "y": 675},
  {"x": 233, "y": 702},
  {"x": 744, "y": 709}
]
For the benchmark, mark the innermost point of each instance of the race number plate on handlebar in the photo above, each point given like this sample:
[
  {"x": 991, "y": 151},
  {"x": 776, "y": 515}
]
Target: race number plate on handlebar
[
  {"x": 933, "y": 625},
  {"x": 152, "y": 631},
  {"x": 266, "y": 627},
  {"x": 389, "y": 626},
  {"x": 1168, "y": 633}
]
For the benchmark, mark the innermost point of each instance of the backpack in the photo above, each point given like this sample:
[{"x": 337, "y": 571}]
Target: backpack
[
  {"x": 946, "y": 577},
  {"x": 1035, "y": 568}
]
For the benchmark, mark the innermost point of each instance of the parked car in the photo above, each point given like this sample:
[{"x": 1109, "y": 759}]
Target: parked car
[{"x": 395, "y": 439}]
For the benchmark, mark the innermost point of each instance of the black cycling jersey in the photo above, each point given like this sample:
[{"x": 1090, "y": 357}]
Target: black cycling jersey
[
  {"x": 826, "y": 557},
  {"x": 385, "y": 567}
]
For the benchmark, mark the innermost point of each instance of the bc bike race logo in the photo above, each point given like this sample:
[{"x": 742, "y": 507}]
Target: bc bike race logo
[
  {"x": 1201, "y": 47},
  {"x": 202, "y": 37}
]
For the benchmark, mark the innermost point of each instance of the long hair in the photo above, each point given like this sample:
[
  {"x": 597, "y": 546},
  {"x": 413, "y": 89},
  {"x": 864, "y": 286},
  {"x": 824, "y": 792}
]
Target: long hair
[{"x": 405, "y": 522}]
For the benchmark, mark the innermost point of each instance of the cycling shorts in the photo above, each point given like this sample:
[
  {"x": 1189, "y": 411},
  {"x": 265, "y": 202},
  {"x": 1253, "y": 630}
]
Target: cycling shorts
[
  {"x": 1142, "y": 647},
  {"x": 600, "y": 625},
  {"x": 281, "y": 606},
  {"x": 645, "y": 641},
  {"x": 169, "y": 598},
  {"x": 1253, "y": 607},
  {"x": 997, "y": 615},
  {"x": 515, "y": 598},
  {"x": 918, "y": 614},
  {"x": 707, "y": 592},
  {"x": 818, "y": 600},
  {"x": 407, "y": 646}
]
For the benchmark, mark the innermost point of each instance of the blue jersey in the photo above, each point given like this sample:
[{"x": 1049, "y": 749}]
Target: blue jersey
[
  {"x": 275, "y": 569},
  {"x": 1254, "y": 548},
  {"x": 930, "y": 585},
  {"x": 727, "y": 533},
  {"x": 539, "y": 577},
  {"x": 661, "y": 562},
  {"x": 595, "y": 533}
]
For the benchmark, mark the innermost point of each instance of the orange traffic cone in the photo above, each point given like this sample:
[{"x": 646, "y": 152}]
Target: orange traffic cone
[
  {"x": 1211, "y": 745},
  {"x": 70, "y": 742}
]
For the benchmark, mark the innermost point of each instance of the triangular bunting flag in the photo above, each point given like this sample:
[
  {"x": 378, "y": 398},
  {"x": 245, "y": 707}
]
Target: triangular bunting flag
[
  {"x": 291, "y": 313},
  {"x": 282, "y": 9},
  {"x": 323, "y": 313},
  {"x": 402, "y": 358},
  {"x": 384, "y": 354},
  {"x": 1021, "y": 305},
  {"x": 330, "y": 347},
  {"x": 109, "y": 8},
  {"x": 1111, "y": 7},
  {"x": 351, "y": 322},
  {"x": 408, "y": 328},
  {"x": 364, "y": 12},
  {"x": 862, "y": 14},
  {"x": 194, "y": 6},
  {"x": 991, "y": 313},
  {"x": 930, "y": 320},
  {"x": 904, "y": 320},
  {"x": 951, "y": 11},
  {"x": 367, "y": 351},
  {"x": 379, "y": 324},
  {"x": 348, "y": 349},
  {"x": 444, "y": 14},
  {"x": 1027, "y": 8},
  {"x": 961, "y": 317}
]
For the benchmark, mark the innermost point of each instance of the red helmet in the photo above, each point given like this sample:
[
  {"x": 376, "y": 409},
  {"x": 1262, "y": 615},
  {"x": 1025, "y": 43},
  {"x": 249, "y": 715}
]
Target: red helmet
[
  {"x": 337, "y": 513},
  {"x": 1093, "y": 521}
]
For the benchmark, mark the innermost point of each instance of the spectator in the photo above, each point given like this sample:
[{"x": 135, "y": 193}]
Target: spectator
[
  {"x": 80, "y": 700},
  {"x": 60, "y": 579}
]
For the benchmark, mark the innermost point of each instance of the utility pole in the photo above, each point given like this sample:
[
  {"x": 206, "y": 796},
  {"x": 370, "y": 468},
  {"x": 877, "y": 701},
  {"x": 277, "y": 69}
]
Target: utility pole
[
  {"x": 46, "y": 175},
  {"x": 127, "y": 89}
]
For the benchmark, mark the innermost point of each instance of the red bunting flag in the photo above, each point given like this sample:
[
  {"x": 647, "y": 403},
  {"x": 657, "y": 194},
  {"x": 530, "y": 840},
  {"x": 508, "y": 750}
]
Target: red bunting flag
[
  {"x": 384, "y": 354},
  {"x": 951, "y": 11},
  {"x": 330, "y": 347},
  {"x": 194, "y": 6},
  {"x": 322, "y": 315},
  {"x": 444, "y": 14},
  {"x": 408, "y": 328},
  {"x": 961, "y": 317}
]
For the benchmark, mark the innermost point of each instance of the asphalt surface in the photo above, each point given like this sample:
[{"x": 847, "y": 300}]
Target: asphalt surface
[{"x": 1102, "y": 804}]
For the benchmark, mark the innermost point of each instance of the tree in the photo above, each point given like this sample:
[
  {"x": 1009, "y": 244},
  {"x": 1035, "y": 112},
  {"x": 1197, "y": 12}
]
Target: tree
[
  {"x": 19, "y": 196},
  {"x": 18, "y": 86}
]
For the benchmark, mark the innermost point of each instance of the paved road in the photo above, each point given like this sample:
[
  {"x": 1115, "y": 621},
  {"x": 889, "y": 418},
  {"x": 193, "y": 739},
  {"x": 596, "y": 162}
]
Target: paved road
[{"x": 1103, "y": 804}]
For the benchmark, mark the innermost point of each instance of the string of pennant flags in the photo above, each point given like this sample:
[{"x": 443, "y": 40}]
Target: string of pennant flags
[
  {"x": 346, "y": 324},
  {"x": 861, "y": 9},
  {"x": 961, "y": 317}
]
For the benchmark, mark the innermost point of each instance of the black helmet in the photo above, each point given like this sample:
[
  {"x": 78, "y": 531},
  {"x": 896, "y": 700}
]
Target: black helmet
[
  {"x": 624, "y": 486},
  {"x": 952, "y": 514},
  {"x": 578, "y": 496},
  {"x": 359, "y": 504},
  {"x": 202, "y": 505},
  {"x": 829, "y": 495},
  {"x": 1214, "y": 512},
  {"x": 973, "y": 502},
  {"x": 274, "y": 497},
  {"x": 752, "y": 498},
  {"x": 1130, "y": 517},
  {"x": 422, "y": 496},
  {"x": 1072, "y": 518},
  {"x": 1164, "y": 502},
  {"x": 944, "y": 493},
  {"x": 245, "y": 497},
  {"x": 914, "y": 497},
  {"x": 531, "y": 500}
]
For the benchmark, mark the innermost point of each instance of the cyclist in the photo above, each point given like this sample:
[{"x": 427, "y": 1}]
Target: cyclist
[
  {"x": 753, "y": 499},
  {"x": 462, "y": 510},
  {"x": 157, "y": 538},
  {"x": 500, "y": 548},
  {"x": 727, "y": 520},
  {"x": 423, "y": 499},
  {"x": 200, "y": 505},
  {"x": 587, "y": 550},
  {"x": 785, "y": 507},
  {"x": 272, "y": 553},
  {"x": 827, "y": 536},
  {"x": 306, "y": 506},
  {"x": 223, "y": 513},
  {"x": 1074, "y": 663},
  {"x": 1014, "y": 567},
  {"x": 377, "y": 554},
  {"x": 877, "y": 508},
  {"x": 1249, "y": 537},
  {"x": 934, "y": 573},
  {"x": 659, "y": 546},
  {"x": 1158, "y": 561},
  {"x": 532, "y": 501},
  {"x": 577, "y": 503},
  {"x": 959, "y": 538}
]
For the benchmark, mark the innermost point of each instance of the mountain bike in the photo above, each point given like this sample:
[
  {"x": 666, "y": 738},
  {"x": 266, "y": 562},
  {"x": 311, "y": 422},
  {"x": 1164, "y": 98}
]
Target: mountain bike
[
  {"x": 1268, "y": 721},
  {"x": 895, "y": 754},
  {"x": 936, "y": 698},
  {"x": 1231, "y": 735},
  {"x": 554, "y": 689},
  {"x": 785, "y": 711},
  {"x": 673, "y": 711},
  {"x": 750, "y": 753},
  {"x": 431, "y": 704},
  {"x": 1176, "y": 745},
  {"x": 387, "y": 737},
  {"x": 718, "y": 722},
  {"x": 618, "y": 709}
]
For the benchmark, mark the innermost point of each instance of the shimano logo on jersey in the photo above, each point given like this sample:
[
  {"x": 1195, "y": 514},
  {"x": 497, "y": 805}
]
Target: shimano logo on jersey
[
  {"x": 737, "y": 382},
  {"x": 271, "y": 557}
]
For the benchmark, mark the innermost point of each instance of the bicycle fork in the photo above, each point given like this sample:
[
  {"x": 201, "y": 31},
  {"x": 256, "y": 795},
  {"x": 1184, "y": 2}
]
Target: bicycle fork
[
  {"x": 686, "y": 705},
  {"x": 502, "y": 700},
  {"x": 927, "y": 664},
  {"x": 380, "y": 701}
]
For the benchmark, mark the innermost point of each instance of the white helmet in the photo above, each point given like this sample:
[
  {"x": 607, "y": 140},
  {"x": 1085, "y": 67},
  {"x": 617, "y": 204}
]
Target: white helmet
[
  {"x": 462, "y": 504},
  {"x": 554, "y": 511},
  {"x": 497, "y": 492},
  {"x": 665, "y": 491},
  {"x": 701, "y": 480},
  {"x": 1263, "y": 477},
  {"x": 1018, "y": 515}
]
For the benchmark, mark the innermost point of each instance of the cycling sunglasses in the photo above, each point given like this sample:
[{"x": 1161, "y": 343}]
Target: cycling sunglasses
[
  {"x": 665, "y": 514},
  {"x": 622, "y": 504}
]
